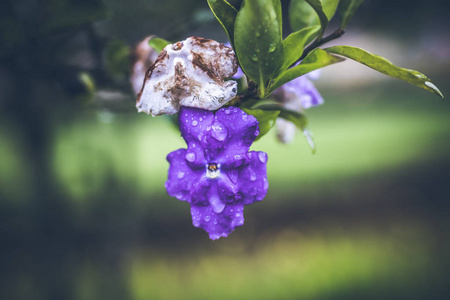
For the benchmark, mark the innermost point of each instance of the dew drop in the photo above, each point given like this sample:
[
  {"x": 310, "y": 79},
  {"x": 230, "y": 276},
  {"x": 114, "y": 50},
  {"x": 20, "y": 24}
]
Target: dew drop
[
  {"x": 252, "y": 174},
  {"x": 190, "y": 156},
  {"x": 194, "y": 123},
  {"x": 266, "y": 184},
  {"x": 227, "y": 111},
  {"x": 219, "y": 132},
  {"x": 238, "y": 215},
  {"x": 207, "y": 218},
  {"x": 180, "y": 174},
  {"x": 217, "y": 205},
  {"x": 262, "y": 157},
  {"x": 272, "y": 47},
  {"x": 254, "y": 57}
]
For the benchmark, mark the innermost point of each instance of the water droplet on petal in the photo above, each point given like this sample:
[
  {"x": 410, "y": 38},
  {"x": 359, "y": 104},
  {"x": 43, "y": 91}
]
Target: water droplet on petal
[
  {"x": 190, "y": 156},
  {"x": 252, "y": 174},
  {"x": 238, "y": 215},
  {"x": 262, "y": 157},
  {"x": 207, "y": 218},
  {"x": 227, "y": 111},
  {"x": 266, "y": 184},
  {"x": 180, "y": 174},
  {"x": 219, "y": 132},
  {"x": 194, "y": 123},
  {"x": 217, "y": 205}
]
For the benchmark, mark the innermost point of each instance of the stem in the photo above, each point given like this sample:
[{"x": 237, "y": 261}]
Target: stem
[{"x": 338, "y": 33}]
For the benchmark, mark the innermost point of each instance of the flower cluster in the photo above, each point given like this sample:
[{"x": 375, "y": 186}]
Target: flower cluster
[{"x": 217, "y": 174}]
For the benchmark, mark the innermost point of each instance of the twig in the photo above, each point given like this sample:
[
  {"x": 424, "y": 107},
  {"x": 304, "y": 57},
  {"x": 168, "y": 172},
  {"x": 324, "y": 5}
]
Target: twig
[{"x": 338, "y": 33}]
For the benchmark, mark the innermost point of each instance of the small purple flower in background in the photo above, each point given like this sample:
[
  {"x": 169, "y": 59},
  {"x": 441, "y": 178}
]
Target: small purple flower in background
[
  {"x": 217, "y": 174},
  {"x": 296, "y": 95}
]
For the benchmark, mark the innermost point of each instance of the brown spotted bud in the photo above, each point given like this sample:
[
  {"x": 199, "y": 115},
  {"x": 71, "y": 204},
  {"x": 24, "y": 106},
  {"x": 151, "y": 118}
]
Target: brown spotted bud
[{"x": 189, "y": 73}]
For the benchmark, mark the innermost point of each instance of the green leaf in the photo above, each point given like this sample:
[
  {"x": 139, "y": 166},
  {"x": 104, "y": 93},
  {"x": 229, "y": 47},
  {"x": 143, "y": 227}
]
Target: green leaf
[
  {"x": 226, "y": 15},
  {"x": 302, "y": 14},
  {"x": 384, "y": 66},
  {"x": 316, "y": 59},
  {"x": 266, "y": 119},
  {"x": 158, "y": 43},
  {"x": 258, "y": 40},
  {"x": 347, "y": 9},
  {"x": 297, "y": 118},
  {"x": 301, "y": 122},
  {"x": 306, "y": 13},
  {"x": 293, "y": 45}
]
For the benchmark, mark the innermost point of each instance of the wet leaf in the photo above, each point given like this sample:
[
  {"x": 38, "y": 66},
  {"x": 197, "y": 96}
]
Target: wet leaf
[
  {"x": 225, "y": 13},
  {"x": 294, "y": 44},
  {"x": 316, "y": 59},
  {"x": 384, "y": 66},
  {"x": 266, "y": 119},
  {"x": 302, "y": 14},
  {"x": 258, "y": 40}
]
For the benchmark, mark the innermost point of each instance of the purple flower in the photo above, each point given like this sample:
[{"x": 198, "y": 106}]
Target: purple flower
[
  {"x": 217, "y": 174},
  {"x": 296, "y": 95}
]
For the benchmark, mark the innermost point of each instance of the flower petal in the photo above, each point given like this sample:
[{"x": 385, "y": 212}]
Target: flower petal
[
  {"x": 218, "y": 224},
  {"x": 301, "y": 93},
  {"x": 181, "y": 178},
  {"x": 252, "y": 182},
  {"x": 242, "y": 130},
  {"x": 195, "y": 126}
]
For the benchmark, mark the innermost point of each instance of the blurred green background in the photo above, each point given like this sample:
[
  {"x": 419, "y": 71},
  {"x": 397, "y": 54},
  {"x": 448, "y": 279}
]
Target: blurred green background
[{"x": 83, "y": 210}]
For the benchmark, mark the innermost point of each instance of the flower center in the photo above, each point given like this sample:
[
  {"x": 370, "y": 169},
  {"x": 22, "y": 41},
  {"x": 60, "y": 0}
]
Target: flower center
[{"x": 212, "y": 170}]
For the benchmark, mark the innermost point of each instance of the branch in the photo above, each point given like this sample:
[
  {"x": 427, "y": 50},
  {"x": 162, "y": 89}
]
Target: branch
[{"x": 338, "y": 33}]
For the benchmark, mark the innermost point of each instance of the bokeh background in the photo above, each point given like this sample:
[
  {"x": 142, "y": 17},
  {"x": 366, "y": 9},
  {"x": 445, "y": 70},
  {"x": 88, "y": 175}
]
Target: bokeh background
[{"x": 83, "y": 210}]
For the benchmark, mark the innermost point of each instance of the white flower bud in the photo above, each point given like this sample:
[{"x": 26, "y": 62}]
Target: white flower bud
[{"x": 189, "y": 73}]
